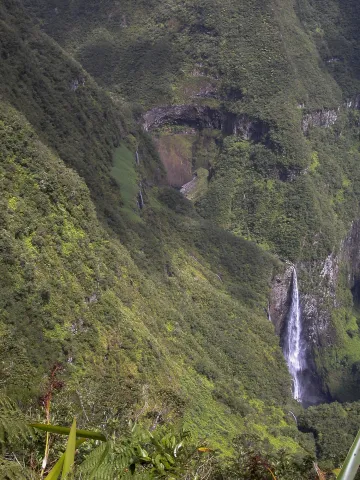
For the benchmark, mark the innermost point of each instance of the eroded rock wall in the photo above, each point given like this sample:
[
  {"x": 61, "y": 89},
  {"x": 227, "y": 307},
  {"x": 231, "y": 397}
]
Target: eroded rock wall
[
  {"x": 329, "y": 299},
  {"x": 280, "y": 298}
]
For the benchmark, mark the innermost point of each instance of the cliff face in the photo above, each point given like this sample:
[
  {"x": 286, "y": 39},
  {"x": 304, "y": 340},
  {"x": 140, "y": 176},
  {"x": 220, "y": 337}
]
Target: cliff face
[
  {"x": 319, "y": 118},
  {"x": 203, "y": 117},
  {"x": 280, "y": 299},
  {"x": 179, "y": 129},
  {"x": 329, "y": 297}
]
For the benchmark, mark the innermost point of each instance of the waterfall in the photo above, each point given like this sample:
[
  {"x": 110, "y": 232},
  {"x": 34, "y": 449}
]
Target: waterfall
[
  {"x": 140, "y": 201},
  {"x": 293, "y": 346},
  {"x": 137, "y": 159}
]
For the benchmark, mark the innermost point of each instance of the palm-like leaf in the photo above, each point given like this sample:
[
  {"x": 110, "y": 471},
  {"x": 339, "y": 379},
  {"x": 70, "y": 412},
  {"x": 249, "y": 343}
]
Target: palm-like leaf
[
  {"x": 352, "y": 461},
  {"x": 70, "y": 452},
  {"x": 66, "y": 431},
  {"x": 56, "y": 470}
]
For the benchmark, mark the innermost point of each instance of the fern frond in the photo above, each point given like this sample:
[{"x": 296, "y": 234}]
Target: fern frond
[
  {"x": 108, "y": 461},
  {"x": 13, "y": 426},
  {"x": 12, "y": 470}
]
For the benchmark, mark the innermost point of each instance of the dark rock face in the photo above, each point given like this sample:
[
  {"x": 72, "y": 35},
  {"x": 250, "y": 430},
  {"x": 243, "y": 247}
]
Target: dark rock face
[
  {"x": 191, "y": 115},
  {"x": 317, "y": 303},
  {"x": 200, "y": 117},
  {"x": 321, "y": 296},
  {"x": 245, "y": 127},
  {"x": 280, "y": 299}
]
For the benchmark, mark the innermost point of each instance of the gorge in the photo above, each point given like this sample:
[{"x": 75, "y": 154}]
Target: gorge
[{"x": 173, "y": 175}]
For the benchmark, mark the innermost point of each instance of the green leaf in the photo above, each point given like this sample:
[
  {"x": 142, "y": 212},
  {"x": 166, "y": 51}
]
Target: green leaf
[
  {"x": 66, "y": 431},
  {"x": 158, "y": 461},
  {"x": 169, "y": 458},
  {"x": 100, "y": 461},
  {"x": 56, "y": 470},
  {"x": 70, "y": 452},
  {"x": 352, "y": 461}
]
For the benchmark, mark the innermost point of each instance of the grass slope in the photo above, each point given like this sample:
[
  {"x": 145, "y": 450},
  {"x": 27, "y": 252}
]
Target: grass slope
[
  {"x": 123, "y": 171},
  {"x": 171, "y": 335},
  {"x": 203, "y": 292},
  {"x": 170, "y": 312}
]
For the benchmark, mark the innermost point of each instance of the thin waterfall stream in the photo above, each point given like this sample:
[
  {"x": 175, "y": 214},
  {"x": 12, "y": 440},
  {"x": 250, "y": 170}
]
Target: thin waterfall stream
[{"x": 294, "y": 350}]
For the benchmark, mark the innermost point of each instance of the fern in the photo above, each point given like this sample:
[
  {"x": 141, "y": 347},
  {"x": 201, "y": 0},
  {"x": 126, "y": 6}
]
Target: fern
[
  {"x": 151, "y": 454},
  {"x": 13, "y": 470},
  {"x": 108, "y": 461},
  {"x": 13, "y": 426}
]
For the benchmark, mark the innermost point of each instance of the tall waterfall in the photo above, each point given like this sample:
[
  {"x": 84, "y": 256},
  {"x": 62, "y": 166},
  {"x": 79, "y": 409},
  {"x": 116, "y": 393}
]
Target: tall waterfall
[{"x": 293, "y": 346}]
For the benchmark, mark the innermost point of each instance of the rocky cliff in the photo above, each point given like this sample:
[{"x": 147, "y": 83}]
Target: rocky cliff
[{"x": 329, "y": 296}]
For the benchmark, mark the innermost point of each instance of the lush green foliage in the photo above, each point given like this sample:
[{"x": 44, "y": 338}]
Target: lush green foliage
[
  {"x": 266, "y": 75},
  {"x": 293, "y": 193},
  {"x": 323, "y": 421},
  {"x": 167, "y": 305},
  {"x": 162, "y": 452}
]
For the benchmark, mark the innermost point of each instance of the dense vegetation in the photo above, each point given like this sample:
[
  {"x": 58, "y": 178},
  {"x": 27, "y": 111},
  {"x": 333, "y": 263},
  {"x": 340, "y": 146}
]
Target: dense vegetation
[
  {"x": 294, "y": 190},
  {"x": 166, "y": 451},
  {"x": 156, "y": 310},
  {"x": 166, "y": 308}
]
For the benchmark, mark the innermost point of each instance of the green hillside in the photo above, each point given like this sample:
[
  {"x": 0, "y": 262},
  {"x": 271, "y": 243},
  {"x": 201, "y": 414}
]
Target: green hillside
[
  {"x": 166, "y": 308},
  {"x": 154, "y": 307},
  {"x": 264, "y": 61},
  {"x": 289, "y": 71}
]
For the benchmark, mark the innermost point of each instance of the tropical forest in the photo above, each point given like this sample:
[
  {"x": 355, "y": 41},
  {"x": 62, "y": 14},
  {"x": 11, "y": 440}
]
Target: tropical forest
[{"x": 179, "y": 239}]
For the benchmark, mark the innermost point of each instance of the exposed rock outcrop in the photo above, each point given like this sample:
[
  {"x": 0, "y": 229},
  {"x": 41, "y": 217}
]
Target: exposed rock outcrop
[
  {"x": 320, "y": 299},
  {"x": 200, "y": 117},
  {"x": 353, "y": 103},
  {"x": 208, "y": 90},
  {"x": 76, "y": 83},
  {"x": 280, "y": 298},
  {"x": 325, "y": 288},
  {"x": 192, "y": 115},
  {"x": 319, "y": 118},
  {"x": 189, "y": 186}
]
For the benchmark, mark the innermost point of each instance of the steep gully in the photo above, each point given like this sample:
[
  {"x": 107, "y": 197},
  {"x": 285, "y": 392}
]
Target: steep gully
[{"x": 300, "y": 322}]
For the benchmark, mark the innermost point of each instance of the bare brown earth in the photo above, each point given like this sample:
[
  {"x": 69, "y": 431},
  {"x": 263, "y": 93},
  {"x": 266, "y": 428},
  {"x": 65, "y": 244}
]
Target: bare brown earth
[{"x": 176, "y": 154}]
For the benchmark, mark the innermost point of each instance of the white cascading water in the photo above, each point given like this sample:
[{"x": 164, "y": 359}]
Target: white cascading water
[{"x": 293, "y": 351}]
